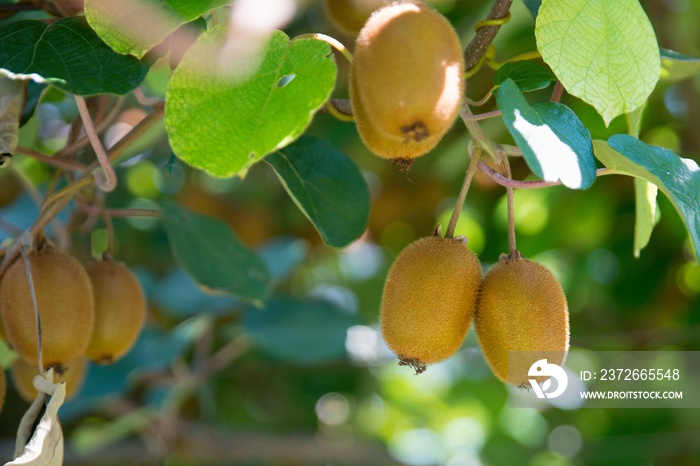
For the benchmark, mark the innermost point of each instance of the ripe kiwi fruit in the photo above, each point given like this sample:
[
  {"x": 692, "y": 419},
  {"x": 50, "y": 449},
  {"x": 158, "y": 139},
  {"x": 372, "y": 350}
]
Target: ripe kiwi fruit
[
  {"x": 521, "y": 307},
  {"x": 406, "y": 80},
  {"x": 350, "y": 15},
  {"x": 23, "y": 373},
  {"x": 120, "y": 310},
  {"x": 429, "y": 298},
  {"x": 65, "y": 301}
]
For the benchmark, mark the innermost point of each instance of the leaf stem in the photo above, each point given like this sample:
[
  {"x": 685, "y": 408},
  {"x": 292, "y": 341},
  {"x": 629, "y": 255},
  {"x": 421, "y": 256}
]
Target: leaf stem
[
  {"x": 512, "y": 247},
  {"x": 454, "y": 218},
  {"x": 535, "y": 184},
  {"x": 54, "y": 161},
  {"x": 558, "y": 92},
  {"x": 335, "y": 43},
  {"x": 110, "y": 177},
  {"x": 483, "y": 116}
]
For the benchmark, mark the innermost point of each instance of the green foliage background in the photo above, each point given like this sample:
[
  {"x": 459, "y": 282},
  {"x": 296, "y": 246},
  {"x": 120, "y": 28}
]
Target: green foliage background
[{"x": 302, "y": 390}]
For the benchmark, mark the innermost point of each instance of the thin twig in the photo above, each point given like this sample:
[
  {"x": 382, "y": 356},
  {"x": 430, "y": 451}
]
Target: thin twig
[
  {"x": 557, "y": 92},
  {"x": 535, "y": 184},
  {"x": 512, "y": 247},
  {"x": 483, "y": 116},
  {"x": 484, "y": 36},
  {"x": 454, "y": 218},
  {"x": 110, "y": 178},
  {"x": 53, "y": 161}
]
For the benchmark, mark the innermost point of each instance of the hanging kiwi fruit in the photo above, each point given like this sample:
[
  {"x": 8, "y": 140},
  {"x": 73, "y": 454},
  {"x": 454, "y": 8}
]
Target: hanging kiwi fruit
[
  {"x": 120, "y": 310},
  {"x": 72, "y": 374},
  {"x": 429, "y": 299},
  {"x": 522, "y": 308},
  {"x": 406, "y": 81},
  {"x": 65, "y": 302}
]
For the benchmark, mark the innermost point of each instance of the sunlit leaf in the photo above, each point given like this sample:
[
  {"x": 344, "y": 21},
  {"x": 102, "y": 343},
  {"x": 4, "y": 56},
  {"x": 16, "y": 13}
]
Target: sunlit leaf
[
  {"x": 603, "y": 51},
  {"x": 223, "y": 117},
  {"x": 645, "y": 213},
  {"x": 135, "y": 26},
  {"x": 554, "y": 142}
]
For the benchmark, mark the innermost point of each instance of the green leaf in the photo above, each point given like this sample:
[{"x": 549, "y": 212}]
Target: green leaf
[
  {"x": 299, "y": 331},
  {"x": 676, "y": 177},
  {"x": 527, "y": 75},
  {"x": 554, "y": 142},
  {"x": 209, "y": 251},
  {"x": 224, "y": 117},
  {"x": 675, "y": 66},
  {"x": 603, "y": 51},
  {"x": 136, "y": 26},
  {"x": 646, "y": 211},
  {"x": 327, "y": 186},
  {"x": 69, "y": 54}
]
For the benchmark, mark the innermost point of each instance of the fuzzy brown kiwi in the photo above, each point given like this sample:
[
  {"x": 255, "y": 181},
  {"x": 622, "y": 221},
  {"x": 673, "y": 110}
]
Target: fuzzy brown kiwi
[
  {"x": 66, "y": 307},
  {"x": 120, "y": 310},
  {"x": 522, "y": 308},
  {"x": 406, "y": 80},
  {"x": 23, "y": 373},
  {"x": 428, "y": 302}
]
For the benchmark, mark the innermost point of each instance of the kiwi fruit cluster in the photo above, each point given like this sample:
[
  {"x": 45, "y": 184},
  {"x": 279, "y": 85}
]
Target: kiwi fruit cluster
[
  {"x": 94, "y": 312},
  {"x": 434, "y": 290},
  {"x": 406, "y": 80}
]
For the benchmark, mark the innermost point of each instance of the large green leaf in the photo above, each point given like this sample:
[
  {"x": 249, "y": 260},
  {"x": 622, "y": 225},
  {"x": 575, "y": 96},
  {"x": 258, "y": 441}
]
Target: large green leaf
[
  {"x": 135, "y": 26},
  {"x": 603, "y": 51},
  {"x": 676, "y": 66},
  {"x": 209, "y": 251},
  {"x": 528, "y": 75},
  {"x": 70, "y": 55},
  {"x": 327, "y": 186},
  {"x": 676, "y": 177},
  {"x": 299, "y": 331},
  {"x": 554, "y": 142},
  {"x": 224, "y": 117}
]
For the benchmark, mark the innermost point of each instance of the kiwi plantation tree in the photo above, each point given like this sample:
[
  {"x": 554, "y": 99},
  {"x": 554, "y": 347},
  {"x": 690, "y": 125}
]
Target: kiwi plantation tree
[{"x": 229, "y": 90}]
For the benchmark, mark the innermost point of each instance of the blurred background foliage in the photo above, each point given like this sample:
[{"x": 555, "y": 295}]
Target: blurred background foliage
[{"x": 308, "y": 380}]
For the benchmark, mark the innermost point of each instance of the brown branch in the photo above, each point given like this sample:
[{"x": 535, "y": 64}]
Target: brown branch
[{"x": 484, "y": 36}]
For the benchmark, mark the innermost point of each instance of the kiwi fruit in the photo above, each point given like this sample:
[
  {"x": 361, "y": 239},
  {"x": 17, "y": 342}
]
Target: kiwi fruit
[
  {"x": 66, "y": 307},
  {"x": 406, "y": 80},
  {"x": 23, "y": 373},
  {"x": 120, "y": 310},
  {"x": 428, "y": 302},
  {"x": 350, "y": 15},
  {"x": 522, "y": 308}
]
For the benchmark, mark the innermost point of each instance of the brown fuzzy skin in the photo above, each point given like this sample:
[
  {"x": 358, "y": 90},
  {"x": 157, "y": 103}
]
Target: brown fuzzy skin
[
  {"x": 429, "y": 299},
  {"x": 2, "y": 388},
  {"x": 120, "y": 310},
  {"x": 350, "y": 15},
  {"x": 406, "y": 80},
  {"x": 521, "y": 307},
  {"x": 66, "y": 306},
  {"x": 23, "y": 375},
  {"x": 64, "y": 296}
]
